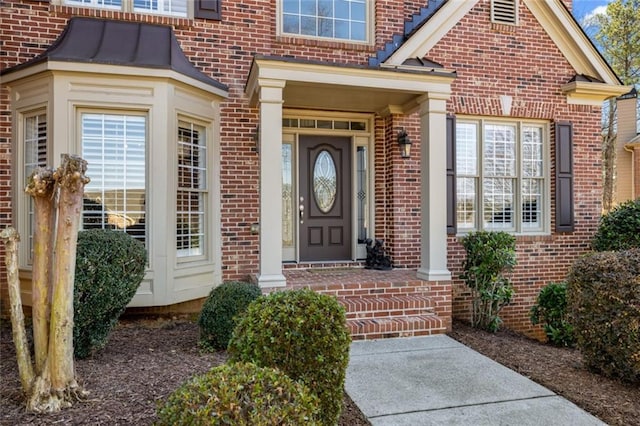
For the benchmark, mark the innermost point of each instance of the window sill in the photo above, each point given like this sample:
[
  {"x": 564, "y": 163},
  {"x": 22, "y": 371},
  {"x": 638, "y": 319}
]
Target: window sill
[{"x": 333, "y": 44}]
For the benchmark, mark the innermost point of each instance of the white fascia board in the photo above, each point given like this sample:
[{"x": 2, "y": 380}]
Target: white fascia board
[
  {"x": 432, "y": 31},
  {"x": 570, "y": 39},
  {"x": 592, "y": 93},
  {"x": 385, "y": 80},
  {"x": 117, "y": 70}
]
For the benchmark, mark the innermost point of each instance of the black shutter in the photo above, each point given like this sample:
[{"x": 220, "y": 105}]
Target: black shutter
[
  {"x": 564, "y": 177},
  {"x": 451, "y": 174},
  {"x": 207, "y": 9}
]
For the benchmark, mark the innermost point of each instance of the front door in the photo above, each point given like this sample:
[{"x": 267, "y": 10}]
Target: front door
[{"x": 325, "y": 198}]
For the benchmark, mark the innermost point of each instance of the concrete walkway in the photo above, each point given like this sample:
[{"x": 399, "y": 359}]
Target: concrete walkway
[{"x": 436, "y": 380}]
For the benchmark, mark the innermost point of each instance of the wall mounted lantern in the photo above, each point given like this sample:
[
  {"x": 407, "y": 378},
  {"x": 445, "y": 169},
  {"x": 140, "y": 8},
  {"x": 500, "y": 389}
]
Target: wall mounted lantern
[{"x": 405, "y": 144}]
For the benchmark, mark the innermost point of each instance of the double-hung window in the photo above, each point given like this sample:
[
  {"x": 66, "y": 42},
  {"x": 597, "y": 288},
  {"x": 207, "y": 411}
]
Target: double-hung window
[
  {"x": 35, "y": 155},
  {"x": 332, "y": 19},
  {"x": 114, "y": 146},
  {"x": 163, "y": 7},
  {"x": 501, "y": 177},
  {"x": 191, "y": 190}
]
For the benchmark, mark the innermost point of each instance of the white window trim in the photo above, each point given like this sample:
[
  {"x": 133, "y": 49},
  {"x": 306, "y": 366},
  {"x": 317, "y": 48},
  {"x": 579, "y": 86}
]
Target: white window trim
[
  {"x": 359, "y": 138},
  {"x": 80, "y": 111},
  {"x": 370, "y": 27},
  {"x": 127, "y": 6},
  {"x": 183, "y": 256},
  {"x": 518, "y": 229},
  {"x": 22, "y": 199}
]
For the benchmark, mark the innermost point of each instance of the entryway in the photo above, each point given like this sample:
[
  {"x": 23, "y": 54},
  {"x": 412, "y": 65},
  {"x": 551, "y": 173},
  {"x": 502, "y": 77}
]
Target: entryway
[{"x": 324, "y": 208}]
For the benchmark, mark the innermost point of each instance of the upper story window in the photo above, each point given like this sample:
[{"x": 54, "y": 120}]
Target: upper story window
[
  {"x": 331, "y": 19},
  {"x": 501, "y": 178},
  {"x": 163, "y": 7}
]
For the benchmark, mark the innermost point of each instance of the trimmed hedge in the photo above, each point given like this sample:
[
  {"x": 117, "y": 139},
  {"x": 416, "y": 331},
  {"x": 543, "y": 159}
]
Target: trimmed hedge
[
  {"x": 604, "y": 307},
  {"x": 109, "y": 269},
  {"x": 619, "y": 229},
  {"x": 240, "y": 394},
  {"x": 303, "y": 334},
  {"x": 219, "y": 312}
]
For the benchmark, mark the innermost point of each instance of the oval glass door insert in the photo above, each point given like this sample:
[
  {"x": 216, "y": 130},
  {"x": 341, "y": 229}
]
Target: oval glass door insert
[{"x": 325, "y": 183}]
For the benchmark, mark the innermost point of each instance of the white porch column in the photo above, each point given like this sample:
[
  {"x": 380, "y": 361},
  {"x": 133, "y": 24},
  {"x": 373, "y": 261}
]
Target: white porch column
[
  {"x": 433, "y": 187},
  {"x": 270, "y": 274}
]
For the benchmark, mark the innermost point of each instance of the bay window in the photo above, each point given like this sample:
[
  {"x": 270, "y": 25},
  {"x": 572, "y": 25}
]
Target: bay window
[
  {"x": 501, "y": 177},
  {"x": 114, "y": 146},
  {"x": 35, "y": 155},
  {"x": 191, "y": 191}
]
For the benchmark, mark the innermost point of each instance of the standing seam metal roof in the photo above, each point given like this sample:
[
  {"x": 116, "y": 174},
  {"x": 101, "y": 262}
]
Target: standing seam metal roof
[{"x": 103, "y": 41}]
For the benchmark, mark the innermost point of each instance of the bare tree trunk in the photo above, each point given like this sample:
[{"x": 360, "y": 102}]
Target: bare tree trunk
[
  {"x": 41, "y": 187},
  {"x": 11, "y": 237},
  {"x": 70, "y": 177}
]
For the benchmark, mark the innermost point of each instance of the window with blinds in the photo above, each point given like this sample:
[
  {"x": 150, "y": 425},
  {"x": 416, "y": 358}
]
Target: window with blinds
[
  {"x": 191, "y": 191},
  {"x": 35, "y": 155},
  {"x": 114, "y": 146},
  {"x": 504, "y": 11}
]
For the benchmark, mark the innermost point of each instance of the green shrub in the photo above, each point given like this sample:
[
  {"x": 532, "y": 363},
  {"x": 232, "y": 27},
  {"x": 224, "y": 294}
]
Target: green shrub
[
  {"x": 489, "y": 256},
  {"x": 550, "y": 309},
  {"x": 109, "y": 269},
  {"x": 240, "y": 394},
  {"x": 619, "y": 229},
  {"x": 303, "y": 334},
  {"x": 220, "y": 310},
  {"x": 604, "y": 307}
]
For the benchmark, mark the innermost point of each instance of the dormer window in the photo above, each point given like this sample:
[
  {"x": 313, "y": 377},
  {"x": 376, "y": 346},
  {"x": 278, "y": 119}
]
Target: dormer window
[{"x": 504, "y": 12}]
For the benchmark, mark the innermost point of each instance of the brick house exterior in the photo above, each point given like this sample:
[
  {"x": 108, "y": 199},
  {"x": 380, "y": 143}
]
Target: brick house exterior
[{"x": 514, "y": 84}]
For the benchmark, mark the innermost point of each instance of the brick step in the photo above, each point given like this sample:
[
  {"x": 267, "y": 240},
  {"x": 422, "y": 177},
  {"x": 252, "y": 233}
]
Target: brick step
[
  {"x": 386, "y": 306},
  {"x": 382, "y": 328}
]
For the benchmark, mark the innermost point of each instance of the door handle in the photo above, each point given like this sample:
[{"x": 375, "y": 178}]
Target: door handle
[{"x": 301, "y": 210}]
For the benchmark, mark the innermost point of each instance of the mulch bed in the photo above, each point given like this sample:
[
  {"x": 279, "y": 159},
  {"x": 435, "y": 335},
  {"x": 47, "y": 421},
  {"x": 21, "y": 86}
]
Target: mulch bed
[
  {"x": 558, "y": 369},
  {"x": 145, "y": 360}
]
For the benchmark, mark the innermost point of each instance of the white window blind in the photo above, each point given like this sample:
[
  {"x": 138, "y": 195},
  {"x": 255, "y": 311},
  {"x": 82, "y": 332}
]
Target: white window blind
[
  {"x": 192, "y": 190},
  {"x": 114, "y": 147}
]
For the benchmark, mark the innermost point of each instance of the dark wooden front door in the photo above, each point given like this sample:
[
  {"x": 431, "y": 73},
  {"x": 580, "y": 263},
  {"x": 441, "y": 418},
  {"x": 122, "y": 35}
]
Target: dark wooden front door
[{"x": 325, "y": 198}]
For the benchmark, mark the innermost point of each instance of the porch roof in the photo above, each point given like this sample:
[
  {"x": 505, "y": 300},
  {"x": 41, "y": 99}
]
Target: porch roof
[{"x": 353, "y": 88}]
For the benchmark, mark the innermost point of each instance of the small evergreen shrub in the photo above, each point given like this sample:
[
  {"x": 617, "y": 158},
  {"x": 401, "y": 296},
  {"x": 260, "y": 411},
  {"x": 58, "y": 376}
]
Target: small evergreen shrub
[
  {"x": 303, "y": 334},
  {"x": 109, "y": 269},
  {"x": 240, "y": 394},
  {"x": 550, "y": 310},
  {"x": 219, "y": 312},
  {"x": 619, "y": 229},
  {"x": 490, "y": 255},
  {"x": 604, "y": 307}
]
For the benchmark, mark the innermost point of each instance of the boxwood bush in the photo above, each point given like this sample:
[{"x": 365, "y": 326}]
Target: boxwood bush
[
  {"x": 303, "y": 334},
  {"x": 240, "y": 394},
  {"x": 219, "y": 312},
  {"x": 550, "y": 310},
  {"x": 604, "y": 307},
  {"x": 109, "y": 269},
  {"x": 619, "y": 229}
]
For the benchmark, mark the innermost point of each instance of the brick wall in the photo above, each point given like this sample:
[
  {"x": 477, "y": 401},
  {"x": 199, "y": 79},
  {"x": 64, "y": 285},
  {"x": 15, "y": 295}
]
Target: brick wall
[{"x": 527, "y": 66}]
